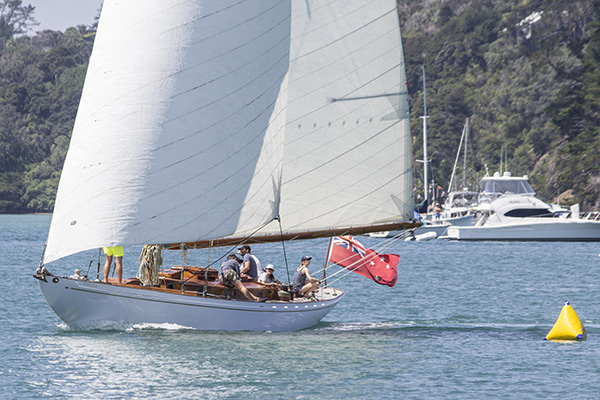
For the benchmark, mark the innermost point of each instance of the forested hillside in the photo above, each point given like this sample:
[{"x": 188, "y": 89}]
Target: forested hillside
[
  {"x": 41, "y": 78},
  {"x": 525, "y": 73}
]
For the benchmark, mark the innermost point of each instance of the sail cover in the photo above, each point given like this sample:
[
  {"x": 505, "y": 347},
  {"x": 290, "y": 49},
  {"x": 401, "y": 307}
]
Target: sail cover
[{"x": 206, "y": 119}]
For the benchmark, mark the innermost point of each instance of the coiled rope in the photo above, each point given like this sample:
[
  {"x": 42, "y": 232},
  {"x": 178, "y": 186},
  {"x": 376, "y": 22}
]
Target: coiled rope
[{"x": 150, "y": 260}]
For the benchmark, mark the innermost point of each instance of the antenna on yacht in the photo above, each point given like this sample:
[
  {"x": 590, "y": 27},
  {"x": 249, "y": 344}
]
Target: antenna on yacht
[{"x": 504, "y": 157}]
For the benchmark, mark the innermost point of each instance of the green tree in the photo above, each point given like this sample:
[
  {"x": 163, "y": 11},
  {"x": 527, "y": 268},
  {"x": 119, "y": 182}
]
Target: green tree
[
  {"x": 41, "y": 79},
  {"x": 15, "y": 18}
]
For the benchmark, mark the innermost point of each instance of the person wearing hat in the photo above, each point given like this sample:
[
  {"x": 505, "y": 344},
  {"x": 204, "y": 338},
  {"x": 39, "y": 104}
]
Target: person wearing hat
[
  {"x": 303, "y": 283},
  {"x": 229, "y": 276},
  {"x": 250, "y": 264},
  {"x": 268, "y": 276}
]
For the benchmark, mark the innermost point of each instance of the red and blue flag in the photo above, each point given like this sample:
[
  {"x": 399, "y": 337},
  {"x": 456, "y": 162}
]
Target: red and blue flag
[{"x": 351, "y": 254}]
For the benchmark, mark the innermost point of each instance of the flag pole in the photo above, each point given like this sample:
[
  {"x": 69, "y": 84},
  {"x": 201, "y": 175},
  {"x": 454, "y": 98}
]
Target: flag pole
[{"x": 326, "y": 261}]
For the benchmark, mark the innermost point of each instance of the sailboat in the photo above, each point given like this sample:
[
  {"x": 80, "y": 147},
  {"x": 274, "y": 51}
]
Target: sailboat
[
  {"x": 460, "y": 204},
  {"x": 210, "y": 124}
]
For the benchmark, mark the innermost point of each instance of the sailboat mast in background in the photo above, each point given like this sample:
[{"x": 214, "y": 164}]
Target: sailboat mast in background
[{"x": 424, "y": 136}]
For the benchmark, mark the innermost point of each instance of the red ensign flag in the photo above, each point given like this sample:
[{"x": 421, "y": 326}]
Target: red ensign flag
[{"x": 350, "y": 254}]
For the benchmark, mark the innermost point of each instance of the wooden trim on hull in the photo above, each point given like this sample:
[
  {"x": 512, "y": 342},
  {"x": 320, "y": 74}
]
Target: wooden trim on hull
[
  {"x": 189, "y": 281},
  {"x": 360, "y": 230}
]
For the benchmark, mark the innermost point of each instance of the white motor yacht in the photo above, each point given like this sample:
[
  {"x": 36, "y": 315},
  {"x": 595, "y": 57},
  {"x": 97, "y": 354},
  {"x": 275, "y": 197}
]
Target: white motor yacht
[{"x": 523, "y": 217}]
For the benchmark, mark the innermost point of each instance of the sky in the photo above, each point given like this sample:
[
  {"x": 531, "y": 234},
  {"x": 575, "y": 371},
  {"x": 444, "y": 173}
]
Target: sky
[{"x": 59, "y": 15}]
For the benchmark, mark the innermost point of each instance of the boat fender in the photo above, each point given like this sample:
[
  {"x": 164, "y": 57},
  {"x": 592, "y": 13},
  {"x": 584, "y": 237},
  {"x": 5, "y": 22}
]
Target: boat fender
[{"x": 568, "y": 326}]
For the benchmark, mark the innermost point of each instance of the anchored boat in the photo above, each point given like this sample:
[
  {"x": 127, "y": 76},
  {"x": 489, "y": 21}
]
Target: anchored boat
[
  {"x": 212, "y": 124},
  {"x": 526, "y": 218}
]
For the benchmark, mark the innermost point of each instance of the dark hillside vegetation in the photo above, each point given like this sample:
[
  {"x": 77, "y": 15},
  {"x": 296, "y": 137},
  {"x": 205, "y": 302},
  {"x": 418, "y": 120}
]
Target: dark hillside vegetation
[
  {"x": 525, "y": 73},
  {"x": 41, "y": 78}
]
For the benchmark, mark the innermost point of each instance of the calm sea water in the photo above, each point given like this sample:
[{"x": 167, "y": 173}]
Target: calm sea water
[{"x": 466, "y": 320}]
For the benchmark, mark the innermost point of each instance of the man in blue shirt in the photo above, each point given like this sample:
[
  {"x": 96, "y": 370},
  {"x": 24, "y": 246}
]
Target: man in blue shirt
[{"x": 251, "y": 265}]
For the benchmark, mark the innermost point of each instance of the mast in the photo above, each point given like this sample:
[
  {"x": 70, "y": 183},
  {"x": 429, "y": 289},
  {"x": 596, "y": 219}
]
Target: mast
[
  {"x": 424, "y": 134},
  {"x": 457, "y": 156},
  {"x": 466, "y": 133}
]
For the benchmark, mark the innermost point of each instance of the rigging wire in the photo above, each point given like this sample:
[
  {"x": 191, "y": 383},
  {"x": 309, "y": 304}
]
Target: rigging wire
[
  {"x": 98, "y": 266},
  {"x": 193, "y": 274},
  {"x": 90, "y": 266},
  {"x": 41, "y": 266},
  {"x": 284, "y": 253}
]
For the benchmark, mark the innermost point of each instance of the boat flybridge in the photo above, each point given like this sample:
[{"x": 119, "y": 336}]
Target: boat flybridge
[{"x": 495, "y": 186}]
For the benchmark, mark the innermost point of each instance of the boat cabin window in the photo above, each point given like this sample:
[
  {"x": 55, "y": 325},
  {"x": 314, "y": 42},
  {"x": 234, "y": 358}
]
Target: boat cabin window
[
  {"x": 507, "y": 186},
  {"x": 528, "y": 212}
]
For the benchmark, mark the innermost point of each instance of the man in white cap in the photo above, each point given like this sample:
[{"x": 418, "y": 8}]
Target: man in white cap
[{"x": 267, "y": 276}]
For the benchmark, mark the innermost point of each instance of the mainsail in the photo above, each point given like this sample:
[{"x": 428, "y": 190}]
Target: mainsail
[
  {"x": 347, "y": 141},
  {"x": 206, "y": 119}
]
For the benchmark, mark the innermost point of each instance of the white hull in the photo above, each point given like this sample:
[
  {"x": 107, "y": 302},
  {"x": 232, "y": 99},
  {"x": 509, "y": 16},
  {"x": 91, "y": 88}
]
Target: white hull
[
  {"x": 465, "y": 220},
  {"x": 541, "y": 229},
  {"x": 438, "y": 228},
  {"x": 89, "y": 305},
  {"x": 422, "y": 237}
]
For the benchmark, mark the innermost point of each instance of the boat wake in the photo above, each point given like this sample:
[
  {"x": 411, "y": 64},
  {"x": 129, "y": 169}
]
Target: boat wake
[
  {"x": 165, "y": 327},
  {"x": 123, "y": 327},
  {"x": 433, "y": 329},
  {"x": 365, "y": 326}
]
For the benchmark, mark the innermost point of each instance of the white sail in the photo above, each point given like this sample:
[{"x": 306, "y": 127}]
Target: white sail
[
  {"x": 348, "y": 145},
  {"x": 206, "y": 119},
  {"x": 348, "y": 156},
  {"x": 179, "y": 131}
]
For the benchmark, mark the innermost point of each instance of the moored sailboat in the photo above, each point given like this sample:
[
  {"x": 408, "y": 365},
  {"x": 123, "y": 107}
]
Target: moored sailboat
[{"x": 207, "y": 124}]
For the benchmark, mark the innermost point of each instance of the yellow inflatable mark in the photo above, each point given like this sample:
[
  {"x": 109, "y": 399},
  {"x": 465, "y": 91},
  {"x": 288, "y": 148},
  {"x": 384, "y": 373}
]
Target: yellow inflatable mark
[{"x": 567, "y": 326}]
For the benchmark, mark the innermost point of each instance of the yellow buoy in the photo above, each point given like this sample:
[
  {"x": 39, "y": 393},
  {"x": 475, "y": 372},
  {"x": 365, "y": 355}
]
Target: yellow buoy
[{"x": 567, "y": 326}]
